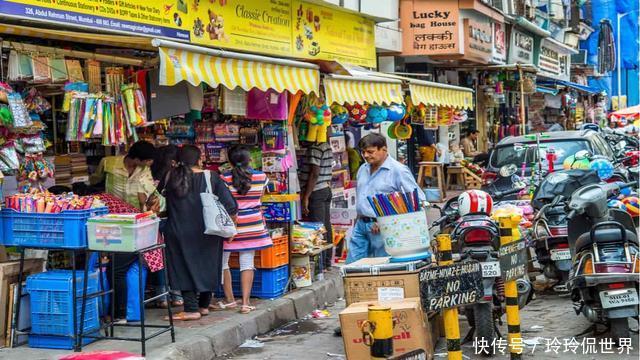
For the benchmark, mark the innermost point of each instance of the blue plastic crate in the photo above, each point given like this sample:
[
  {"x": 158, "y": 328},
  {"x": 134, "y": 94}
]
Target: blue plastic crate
[
  {"x": 57, "y": 342},
  {"x": 267, "y": 283},
  {"x": 52, "y": 302},
  {"x": 64, "y": 230}
]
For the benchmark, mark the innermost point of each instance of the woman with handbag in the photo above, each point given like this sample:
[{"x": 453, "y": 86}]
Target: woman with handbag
[
  {"x": 194, "y": 259},
  {"x": 247, "y": 186}
]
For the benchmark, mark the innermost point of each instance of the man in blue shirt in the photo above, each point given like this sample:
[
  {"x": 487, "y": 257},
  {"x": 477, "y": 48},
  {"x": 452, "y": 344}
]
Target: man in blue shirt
[{"x": 379, "y": 175}]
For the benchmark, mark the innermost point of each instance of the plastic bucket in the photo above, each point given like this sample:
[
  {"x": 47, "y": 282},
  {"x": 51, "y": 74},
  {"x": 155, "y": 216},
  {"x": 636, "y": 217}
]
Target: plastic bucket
[{"x": 405, "y": 235}]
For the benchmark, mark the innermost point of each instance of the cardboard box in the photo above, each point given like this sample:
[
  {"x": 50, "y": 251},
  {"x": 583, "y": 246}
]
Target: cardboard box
[
  {"x": 411, "y": 331},
  {"x": 379, "y": 285}
]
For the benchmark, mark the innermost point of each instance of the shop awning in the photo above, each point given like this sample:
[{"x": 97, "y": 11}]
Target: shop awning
[
  {"x": 576, "y": 86},
  {"x": 130, "y": 42},
  {"x": 434, "y": 94},
  {"x": 546, "y": 90},
  {"x": 360, "y": 89},
  {"x": 194, "y": 64}
]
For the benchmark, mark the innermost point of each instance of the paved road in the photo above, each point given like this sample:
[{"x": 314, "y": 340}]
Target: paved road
[{"x": 545, "y": 318}]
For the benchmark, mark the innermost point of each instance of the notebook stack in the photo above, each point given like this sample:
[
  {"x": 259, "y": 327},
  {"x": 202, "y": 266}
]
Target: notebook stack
[
  {"x": 63, "y": 170},
  {"x": 79, "y": 168}
]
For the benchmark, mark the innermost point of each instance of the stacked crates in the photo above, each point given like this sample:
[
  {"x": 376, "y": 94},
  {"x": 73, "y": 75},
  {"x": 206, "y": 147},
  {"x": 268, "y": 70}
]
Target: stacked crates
[
  {"x": 272, "y": 270},
  {"x": 52, "y": 308}
]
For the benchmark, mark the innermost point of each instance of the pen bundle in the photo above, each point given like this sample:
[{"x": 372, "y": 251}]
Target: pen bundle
[{"x": 395, "y": 203}]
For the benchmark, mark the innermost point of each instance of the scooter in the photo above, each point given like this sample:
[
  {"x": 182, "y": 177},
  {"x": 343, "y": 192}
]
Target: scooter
[
  {"x": 550, "y": 223},
  {"x": 477, "y": 237},
  {"x": 606, "y": 259}
]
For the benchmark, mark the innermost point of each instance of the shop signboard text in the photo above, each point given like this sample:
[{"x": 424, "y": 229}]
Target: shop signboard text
[
  {"x": 430, "y": 27},
  {"x": 478, "y": 41},
  {"x": 499, "y": 51},
  {"x": 520, "y": 48},
  {"x": 273, "y": 27}
]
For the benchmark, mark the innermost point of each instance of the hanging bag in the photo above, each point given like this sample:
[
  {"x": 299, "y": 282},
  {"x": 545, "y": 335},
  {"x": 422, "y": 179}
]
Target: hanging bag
[{"x": 216, "y": 219}]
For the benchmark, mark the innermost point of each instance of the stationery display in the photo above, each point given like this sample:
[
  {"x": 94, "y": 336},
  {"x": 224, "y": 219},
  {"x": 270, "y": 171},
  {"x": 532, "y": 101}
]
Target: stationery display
[
  {"x": 47, "y": 203},
  {"x": 395, "y": 203}
]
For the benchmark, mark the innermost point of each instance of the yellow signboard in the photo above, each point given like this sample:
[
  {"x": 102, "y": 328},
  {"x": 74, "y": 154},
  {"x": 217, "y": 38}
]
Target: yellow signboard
[{"x": 274, "y": 27}]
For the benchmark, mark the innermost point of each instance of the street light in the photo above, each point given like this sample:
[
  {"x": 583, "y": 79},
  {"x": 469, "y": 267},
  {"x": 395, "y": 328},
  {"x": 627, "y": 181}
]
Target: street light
[{"x": 619, "y": 52}]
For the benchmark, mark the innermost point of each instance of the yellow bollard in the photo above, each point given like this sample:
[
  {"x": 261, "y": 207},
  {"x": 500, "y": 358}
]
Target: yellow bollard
[
  {"x": 377, "y": 332},
  {"x": 450, "y": 316},
  {"x": 509, "y": 232}
]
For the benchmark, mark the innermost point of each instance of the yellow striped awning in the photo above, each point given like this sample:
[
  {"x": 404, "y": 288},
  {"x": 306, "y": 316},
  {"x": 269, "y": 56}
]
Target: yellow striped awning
[
  {"x": 345, "y": 89},
  {"x": 177, "y": 65},
  {"x": 434, "y": 94}
]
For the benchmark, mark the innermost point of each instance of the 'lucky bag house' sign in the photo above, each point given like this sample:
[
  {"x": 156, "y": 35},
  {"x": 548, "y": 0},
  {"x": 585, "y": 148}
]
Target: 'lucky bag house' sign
[{"x": 430, "y": 27}]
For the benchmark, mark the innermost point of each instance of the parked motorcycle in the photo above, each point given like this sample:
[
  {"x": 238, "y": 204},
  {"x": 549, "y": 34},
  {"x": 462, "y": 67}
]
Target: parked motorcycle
[
  {"x": 476, "y": 236},
  {"x": 604, "y": 247},
  {"x": 550, "y": 240}
]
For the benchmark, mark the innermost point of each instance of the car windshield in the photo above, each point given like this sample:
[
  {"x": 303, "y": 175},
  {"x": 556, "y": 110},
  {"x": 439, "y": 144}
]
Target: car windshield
[{"x": 518, "y": 153}]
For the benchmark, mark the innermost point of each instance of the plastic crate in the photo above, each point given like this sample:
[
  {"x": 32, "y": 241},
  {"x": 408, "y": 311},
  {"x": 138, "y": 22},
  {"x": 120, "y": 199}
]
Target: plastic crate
[
  {"x": 52, "y": 302},
  {"x": 57, "y": 342},
  {"x": 269, "y": 258},
  {"x": 64, "y": 230},
  {"x": 110, "y": 236},
  {"x": 267, "y": 283}
]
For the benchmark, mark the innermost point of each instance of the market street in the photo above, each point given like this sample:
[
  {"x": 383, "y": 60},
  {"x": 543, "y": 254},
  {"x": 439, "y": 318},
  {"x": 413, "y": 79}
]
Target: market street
[{"x": 545, "y": 318}]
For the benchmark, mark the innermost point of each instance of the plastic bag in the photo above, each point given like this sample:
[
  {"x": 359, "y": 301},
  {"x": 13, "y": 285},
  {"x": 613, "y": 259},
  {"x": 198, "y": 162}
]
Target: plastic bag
[
  {"x": 133, "y": 291},
  {"x": 266, "y": 105},
  {"x": 21, "y": 117},
  {"x": 9, "y": 158}
]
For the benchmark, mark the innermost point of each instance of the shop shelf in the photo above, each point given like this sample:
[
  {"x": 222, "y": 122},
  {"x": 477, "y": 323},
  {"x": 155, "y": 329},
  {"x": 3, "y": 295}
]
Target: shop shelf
[
  {"x": 52, "y": 302},
  {"x": 64, "y": 230},
  {"x": 267, "y": 283},
  {"x": 269, "y": 258}
]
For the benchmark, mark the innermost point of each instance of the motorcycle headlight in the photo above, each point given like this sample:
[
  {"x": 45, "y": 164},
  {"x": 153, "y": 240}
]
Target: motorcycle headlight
[{"x": 541, "y": 230}]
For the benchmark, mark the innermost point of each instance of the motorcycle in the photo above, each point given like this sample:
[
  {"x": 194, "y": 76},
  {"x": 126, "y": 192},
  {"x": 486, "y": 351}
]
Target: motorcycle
[
  {"x": 604, "y": 246},
  {"x": 476, "y": 235},
  {"x": 550, "y": 223}
]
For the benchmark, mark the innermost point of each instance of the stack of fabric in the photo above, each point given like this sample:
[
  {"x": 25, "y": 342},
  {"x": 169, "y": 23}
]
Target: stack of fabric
[
  {"x": 79, "y": 168},
  {"x": 63, "y": 170}
]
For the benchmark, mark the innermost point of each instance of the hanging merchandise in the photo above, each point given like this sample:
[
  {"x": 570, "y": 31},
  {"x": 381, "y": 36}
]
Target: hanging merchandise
[
  {"x": 33, "y": 172},
  {"x": 266, "y": 105},
  {"x": 114, "y": 79},
  {"x": 274, "y": 138},
  {"x": 70, "y": 89},
  {"x": 249, "y": 135},
  {"x": 204, "y": 132},
  {"x": 20, "y": 67},
  {"x": 606, "y": 48},
  {"x": 58, "y": 69},
  {"x": 430, "y": 117},
  {"x": 74, "y": 70},
  {"x": 134, "y": 104},
  {"x": 226, "y": 132},
  {"x": 8, "y": 157},
  {"x": 234, "y": 102},
  {"x": 396, "y": 112},
  {"x": 319, "y": 118},
  {"x": 41, "y": 69},
  {"x": 21, "y": 118},
  {"x": 340, "y": 114},
  {"x": 216, "y": 152},
  {"x": 6, "y": 119},
  {"x": 445, "y": 116},
  {"x": 94, "y": 77},
  {"x": 459, "y": 116},
  {"x": 30, "y": 144},
  {"x": 357, "y": 113},
  {"x": 376, "y": 114},
  {"x": 403, "y": 130}
]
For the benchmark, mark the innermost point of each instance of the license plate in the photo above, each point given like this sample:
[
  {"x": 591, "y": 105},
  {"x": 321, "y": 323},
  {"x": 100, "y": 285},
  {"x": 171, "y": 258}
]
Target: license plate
[
  {"x": 563, "y": 254},
  {"x": 490, "y": 269},
  {"x": 618, "y": 298}
]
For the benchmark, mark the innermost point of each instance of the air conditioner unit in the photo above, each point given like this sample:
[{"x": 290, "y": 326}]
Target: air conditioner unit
[{"x": 579, "y": 58}]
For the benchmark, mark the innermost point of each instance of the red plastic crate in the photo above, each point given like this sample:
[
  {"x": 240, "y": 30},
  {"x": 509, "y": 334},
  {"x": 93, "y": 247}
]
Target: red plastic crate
[{"x": 269, "y": 258}]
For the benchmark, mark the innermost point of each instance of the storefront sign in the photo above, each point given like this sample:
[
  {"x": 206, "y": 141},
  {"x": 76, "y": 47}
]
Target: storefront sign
[
  {"x": 449, "y": 286},
  {"x": 513, "y": 260},
  {"x": 549, "y": 60},
  {"x": 430, "y": 27},
  {"x": 499, "y": 52},
  {"x": 520, "y": 48},
  {"x": 275, "y": 27},
  {"x": 478, "y": 41}
]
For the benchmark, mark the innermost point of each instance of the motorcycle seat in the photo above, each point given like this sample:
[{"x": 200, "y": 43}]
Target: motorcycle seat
[{"x": 604, "y": 236}]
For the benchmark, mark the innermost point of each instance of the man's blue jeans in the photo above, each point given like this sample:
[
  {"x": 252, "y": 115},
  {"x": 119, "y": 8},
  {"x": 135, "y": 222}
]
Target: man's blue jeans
[{"x": 364, "y": 244}]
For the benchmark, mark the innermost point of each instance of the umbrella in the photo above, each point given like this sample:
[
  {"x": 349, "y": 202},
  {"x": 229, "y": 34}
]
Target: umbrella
[{"x": 631, "y": 113}]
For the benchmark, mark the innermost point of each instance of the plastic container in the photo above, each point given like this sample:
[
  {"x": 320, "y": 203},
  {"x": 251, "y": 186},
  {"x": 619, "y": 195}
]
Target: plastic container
[
  {"x": 52, "y": 303},
  {"x": 405, "y": 236},
  {"x": 269, "y": 258},
  {"x": 267, "y": 283},
  {"x": 432, "y": 195},
  {"x": 122, "y": 237},
  {"x": 58, "y": 342},
  {"x": 63, "y": 230}
]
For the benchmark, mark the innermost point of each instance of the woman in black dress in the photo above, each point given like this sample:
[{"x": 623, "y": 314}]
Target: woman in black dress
[{"x": 194, "y": 260}]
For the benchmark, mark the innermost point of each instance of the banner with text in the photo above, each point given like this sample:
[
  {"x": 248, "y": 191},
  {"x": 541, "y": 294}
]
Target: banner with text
[{"x": 275, "y": 27}]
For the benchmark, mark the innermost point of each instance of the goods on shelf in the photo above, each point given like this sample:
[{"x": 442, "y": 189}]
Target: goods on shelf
[{"x": 307, "y": 236}]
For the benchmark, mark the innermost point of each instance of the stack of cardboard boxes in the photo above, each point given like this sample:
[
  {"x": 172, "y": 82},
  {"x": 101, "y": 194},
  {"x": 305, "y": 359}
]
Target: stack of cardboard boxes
[{"x": 375, "y": 281}]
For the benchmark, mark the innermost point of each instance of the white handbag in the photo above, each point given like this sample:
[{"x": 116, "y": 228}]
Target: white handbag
[{"x": 216, "y": 219}]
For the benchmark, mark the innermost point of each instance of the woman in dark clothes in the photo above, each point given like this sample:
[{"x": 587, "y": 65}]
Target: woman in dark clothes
[{"x": 194, "y": 260}]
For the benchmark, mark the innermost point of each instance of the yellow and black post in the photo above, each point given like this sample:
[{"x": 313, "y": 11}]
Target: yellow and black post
[
  {"x": 509, "y": 233},
  {"x": 377, "y": 332},
  {"x": 451, "y": 326}
]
